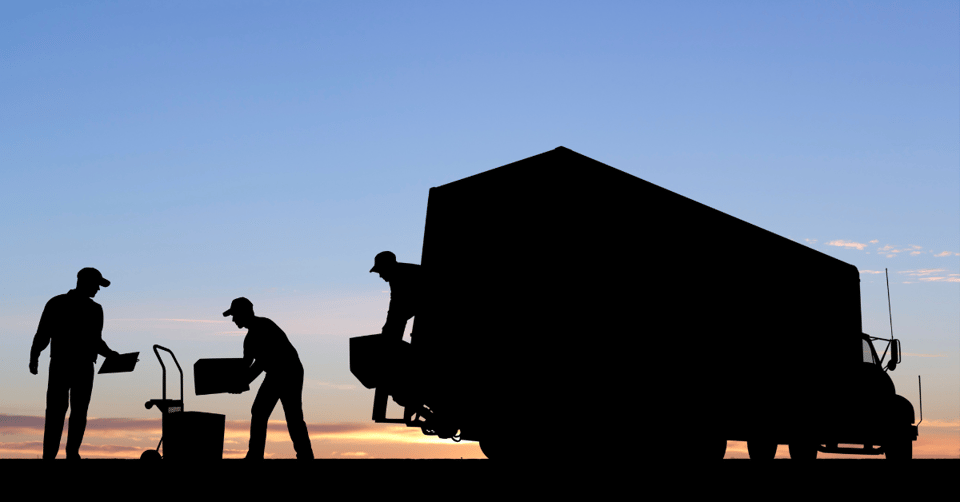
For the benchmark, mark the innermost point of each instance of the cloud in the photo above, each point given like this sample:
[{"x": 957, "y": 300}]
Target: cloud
[
  {"x": 20, "y": 424},
  {"x": 847, "y": 244},
  {"x": 946, "y": 253},
  {"x": 328, "y": 385},
  {"x": 128, "y": 438},
  {"x": 940, "y": 423},
  {"x": 923, "y": 272},
  {"x": 174, "y": 320},
  {"x": 874, "y": 241},
  {"x": 109, "y": 427},
  {"x": 931, "y": 275},
  {"x": 870, "y": 271}
]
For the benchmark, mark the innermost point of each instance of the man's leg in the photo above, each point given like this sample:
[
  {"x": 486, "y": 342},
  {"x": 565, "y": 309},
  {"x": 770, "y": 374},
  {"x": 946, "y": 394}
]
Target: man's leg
[
  {"x": 57, "y": 400},
  {"x": 292, "y": 401},
  {"x": 81, "y": 387},
  {"x": 263, "y": 406}
]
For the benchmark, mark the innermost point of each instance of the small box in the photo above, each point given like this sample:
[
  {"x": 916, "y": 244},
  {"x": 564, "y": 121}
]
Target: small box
[{"x": 215, "y": 376}]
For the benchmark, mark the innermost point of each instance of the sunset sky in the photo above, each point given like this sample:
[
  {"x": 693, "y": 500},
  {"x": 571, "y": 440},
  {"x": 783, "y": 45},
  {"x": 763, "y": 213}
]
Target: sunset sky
[{"x": 195, "y": 152}]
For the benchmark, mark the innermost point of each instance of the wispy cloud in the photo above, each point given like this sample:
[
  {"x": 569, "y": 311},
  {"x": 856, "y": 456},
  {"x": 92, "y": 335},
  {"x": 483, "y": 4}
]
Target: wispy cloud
[
  {"x": 922, "y": 272},
  {"x": 117, "y": 427},
  {"x": 847, "y": 244},
  {"x": 888, "y": 250},
  {"x": 940, "y": 423},
  {"x": 932, "y": 275},
  {"x": 175, "y": 320},
  {"x": 23, "y": 424},
  {"x": 328, "y": 385},
  {"x": 870, "y": 271},
  {"x": 128, "y": 438}
]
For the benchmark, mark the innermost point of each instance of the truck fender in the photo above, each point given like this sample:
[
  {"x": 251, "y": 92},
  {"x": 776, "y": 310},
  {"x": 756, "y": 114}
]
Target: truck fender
[{"x": 902, "y": 410}]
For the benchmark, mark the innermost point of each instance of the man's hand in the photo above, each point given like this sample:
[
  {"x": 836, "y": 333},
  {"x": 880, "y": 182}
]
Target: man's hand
[{"x": 33, "y": 366}]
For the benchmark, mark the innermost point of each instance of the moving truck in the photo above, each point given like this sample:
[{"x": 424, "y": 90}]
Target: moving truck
[{"x": 573, "y": 309}]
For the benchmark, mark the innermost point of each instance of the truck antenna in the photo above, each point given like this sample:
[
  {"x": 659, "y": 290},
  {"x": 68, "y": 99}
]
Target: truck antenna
[
  {"x": 889, "y": 306},
  {"x": 920, "y": 388}
]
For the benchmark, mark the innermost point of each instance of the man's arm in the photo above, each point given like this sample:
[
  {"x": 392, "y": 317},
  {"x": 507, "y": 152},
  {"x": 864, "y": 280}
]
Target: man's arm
[
  {"x": 252, "y": 363},
  {"x": 255, "y": 369},
  {"x": 45, "y": 331},
  {"x": 398, "y": 313},
  {"x": 102, "y": 347}
]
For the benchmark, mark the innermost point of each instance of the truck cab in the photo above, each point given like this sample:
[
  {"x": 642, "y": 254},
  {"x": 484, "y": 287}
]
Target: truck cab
[{"x": 871, "y": 418}]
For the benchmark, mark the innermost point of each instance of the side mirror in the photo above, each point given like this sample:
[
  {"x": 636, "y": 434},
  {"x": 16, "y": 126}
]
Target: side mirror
[{"x": 894, "y": 355}]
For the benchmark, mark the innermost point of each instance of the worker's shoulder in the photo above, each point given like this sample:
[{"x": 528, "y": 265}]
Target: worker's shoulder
[
  {"x": 63, "y": 297},
  {"x": 72, "y": 298},
  {"x": 264, "y": 324},
  {"x": 408, "y": 268}
]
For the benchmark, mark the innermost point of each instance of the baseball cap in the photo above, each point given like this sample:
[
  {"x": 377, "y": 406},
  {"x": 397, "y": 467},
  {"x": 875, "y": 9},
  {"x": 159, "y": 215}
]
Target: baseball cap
[
  {"x": 385, "y": 258},
  {"x": 92, "y": 274},
  {"x": 239, "y": 304}
]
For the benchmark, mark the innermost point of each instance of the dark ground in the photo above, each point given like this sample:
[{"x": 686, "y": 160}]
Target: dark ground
[{"x": 429, "y": 479}]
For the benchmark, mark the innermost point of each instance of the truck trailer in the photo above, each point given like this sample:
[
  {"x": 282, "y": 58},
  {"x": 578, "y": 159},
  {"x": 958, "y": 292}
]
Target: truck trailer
[{"x": 572, "y": 309}]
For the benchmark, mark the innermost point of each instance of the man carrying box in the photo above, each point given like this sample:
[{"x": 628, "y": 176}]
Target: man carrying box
[{"x": 267, "y": 349}]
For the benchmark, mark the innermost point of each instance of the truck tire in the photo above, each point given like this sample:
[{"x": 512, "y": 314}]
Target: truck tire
[
  {"x": 901, "y": 449},
  {"x": 720, "y": 450},
  {"x": 803, "y": 451},
  {"x": 761, "y": 450},
  {"x": 491, "y": 449}
]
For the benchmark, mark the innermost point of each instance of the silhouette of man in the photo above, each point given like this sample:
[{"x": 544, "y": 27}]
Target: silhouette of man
[
  {"x": 267, "y": 349},
  {"x": 72, "y": 324},
  {"x": 404, "y": 280}
]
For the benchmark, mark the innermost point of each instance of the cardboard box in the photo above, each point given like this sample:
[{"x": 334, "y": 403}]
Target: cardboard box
[{"x": 216, "y": 376}]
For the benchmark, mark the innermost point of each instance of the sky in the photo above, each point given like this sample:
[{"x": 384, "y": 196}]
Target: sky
[{"x": 195, "y": 152}]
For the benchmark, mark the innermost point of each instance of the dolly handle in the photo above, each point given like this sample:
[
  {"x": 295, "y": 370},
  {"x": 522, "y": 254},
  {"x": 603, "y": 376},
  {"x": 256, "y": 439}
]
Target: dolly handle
[{"x": 164, "y": 368}]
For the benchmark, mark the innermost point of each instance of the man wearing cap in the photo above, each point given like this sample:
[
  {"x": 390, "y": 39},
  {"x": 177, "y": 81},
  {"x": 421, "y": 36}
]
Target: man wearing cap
[
  {"x": 267, "y": 349},
  {"x": 404, "y": 280},
  {"x": 72, "y": 324}
]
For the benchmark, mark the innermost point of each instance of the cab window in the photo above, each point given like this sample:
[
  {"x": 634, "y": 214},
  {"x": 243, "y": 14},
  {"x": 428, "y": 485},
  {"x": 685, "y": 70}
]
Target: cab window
[{"x": 868, "y": 356}]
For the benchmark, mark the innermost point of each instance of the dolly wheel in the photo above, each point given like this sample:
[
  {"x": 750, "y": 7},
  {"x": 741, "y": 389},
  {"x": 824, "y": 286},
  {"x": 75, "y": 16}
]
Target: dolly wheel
[{"x": 150, "y": 455}]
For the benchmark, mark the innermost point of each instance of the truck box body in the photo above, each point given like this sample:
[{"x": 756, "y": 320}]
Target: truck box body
[
  {"x": 569, "y": 306},
  {"x": 558, "y": 288}
]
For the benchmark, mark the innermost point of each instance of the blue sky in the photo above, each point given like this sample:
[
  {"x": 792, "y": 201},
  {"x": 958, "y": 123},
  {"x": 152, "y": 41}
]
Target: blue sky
[{"x": 199, "y": 151}]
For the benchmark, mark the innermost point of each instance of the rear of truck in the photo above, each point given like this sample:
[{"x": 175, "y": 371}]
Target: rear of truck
[{"x": 574, "y": 308}]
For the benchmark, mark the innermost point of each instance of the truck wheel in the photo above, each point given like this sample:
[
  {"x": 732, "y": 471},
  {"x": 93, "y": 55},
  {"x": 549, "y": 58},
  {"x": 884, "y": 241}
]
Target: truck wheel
[
  {"x": 761, "y": 450},
  {"x": 803, "y": 451},
  {"x": 899, "y": 450},
  {"x": 489, "y": 448}
]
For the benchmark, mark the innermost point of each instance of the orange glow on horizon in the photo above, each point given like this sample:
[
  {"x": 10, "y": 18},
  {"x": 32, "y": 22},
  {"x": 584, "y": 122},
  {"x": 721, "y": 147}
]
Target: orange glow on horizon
[{"x": 127, "y": 439}]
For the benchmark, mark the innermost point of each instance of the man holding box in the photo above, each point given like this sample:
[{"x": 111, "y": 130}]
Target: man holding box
[{"x": 267, "y": 349}]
